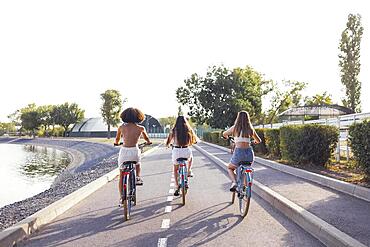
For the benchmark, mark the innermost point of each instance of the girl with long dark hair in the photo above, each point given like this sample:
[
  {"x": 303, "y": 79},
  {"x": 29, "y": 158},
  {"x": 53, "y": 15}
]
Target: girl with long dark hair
[
  {"x": 242, "y": 131},
  {"x": 181, "y": 137}
]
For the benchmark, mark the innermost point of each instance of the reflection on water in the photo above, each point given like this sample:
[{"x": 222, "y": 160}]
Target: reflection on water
[
  {"x": 26, "y": 170},
  {"x": 44, "y": 161}
]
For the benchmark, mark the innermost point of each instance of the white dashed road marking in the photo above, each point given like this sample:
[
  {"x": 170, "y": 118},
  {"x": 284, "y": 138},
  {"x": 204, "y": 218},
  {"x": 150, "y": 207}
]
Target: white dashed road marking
[
  {"x": 171, "y": 191},
  {"x": 162, "y": 242},
  {"x": 169, "y": 198},
  {"x": 172, "y": 184},
  {"x": 165, "y": 223},
  {"x": 168, "y": 209}
]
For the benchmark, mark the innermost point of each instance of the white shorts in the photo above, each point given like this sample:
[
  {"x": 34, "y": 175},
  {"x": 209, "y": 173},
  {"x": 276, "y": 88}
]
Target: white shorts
[
  {"x": 128, "y": 154},
  {"x": 181, "y": 153}
]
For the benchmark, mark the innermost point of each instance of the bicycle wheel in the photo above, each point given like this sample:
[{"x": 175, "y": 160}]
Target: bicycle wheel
[
  {"x": 233, "y": 197},
  {"x": 127, "y": 200},
  {"x": 133, "y": 189},
  {"x": 244, "y": 200}
]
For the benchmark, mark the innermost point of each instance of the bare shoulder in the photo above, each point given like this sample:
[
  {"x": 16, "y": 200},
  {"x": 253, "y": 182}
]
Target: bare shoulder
[{"x": 141, "y": 128}]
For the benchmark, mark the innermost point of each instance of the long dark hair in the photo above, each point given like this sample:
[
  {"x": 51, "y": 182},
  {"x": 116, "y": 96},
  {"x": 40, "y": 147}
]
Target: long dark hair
[
  {"x": 243, "y": 125},
  {"x": 183, "y": 132}
]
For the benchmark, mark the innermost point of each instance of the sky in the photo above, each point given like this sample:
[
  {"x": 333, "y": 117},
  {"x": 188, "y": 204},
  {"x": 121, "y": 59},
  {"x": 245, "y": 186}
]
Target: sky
[{"x": 53, "y": 52}]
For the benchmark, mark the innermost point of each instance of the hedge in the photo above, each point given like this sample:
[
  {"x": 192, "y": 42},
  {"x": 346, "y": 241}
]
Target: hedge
[
  {"x": 308, "y": 144},
  {"x": 215, "y": 137},
  {"x": 272, "y": 138},
  {"x": 261, "y": 147},
  {"x": 359, "y": 137}
]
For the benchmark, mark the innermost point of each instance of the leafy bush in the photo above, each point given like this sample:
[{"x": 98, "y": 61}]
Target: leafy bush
[
  {"x": 359, "y": 136},
  {"x": 308, "y": 144},
  {"x": 261, "y": 147},
  {"x": 272, "y": 137}
]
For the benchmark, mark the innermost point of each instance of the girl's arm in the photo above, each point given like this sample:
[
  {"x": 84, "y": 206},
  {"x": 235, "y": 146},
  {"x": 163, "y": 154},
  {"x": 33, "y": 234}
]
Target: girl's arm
[
  {"x": 256, "y": 138},
  {"x": 118, "y": 136},
  {"x": 169, "y": 139},
  {"x": 228, "y": 132},
  {"x": 145, "y": 136}
]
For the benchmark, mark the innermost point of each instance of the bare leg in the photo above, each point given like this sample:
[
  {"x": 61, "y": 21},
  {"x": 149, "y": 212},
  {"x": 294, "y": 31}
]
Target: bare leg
[
  {"x": 138, "y": 170},
  {"x": 190, "y": 163},
  {"x": 175, "y": 173},
  {"x": 230, "y": 169}
]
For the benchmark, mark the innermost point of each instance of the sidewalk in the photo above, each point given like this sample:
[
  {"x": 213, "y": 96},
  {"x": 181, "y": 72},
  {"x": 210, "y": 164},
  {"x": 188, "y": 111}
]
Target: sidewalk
[{"x": 348, "y": 214}]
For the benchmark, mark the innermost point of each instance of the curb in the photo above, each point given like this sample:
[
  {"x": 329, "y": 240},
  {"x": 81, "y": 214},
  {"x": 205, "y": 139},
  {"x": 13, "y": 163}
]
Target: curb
[
  {"x": 10, "y": 236},
  {"x": 341, "y": 186},
  {"x": 320, "y": 229}
]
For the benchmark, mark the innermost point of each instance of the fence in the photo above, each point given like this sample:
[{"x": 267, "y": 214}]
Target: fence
[{"x": 342, "y": 122}]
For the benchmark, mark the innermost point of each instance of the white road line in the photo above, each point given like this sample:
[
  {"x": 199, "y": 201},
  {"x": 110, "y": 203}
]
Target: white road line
[
  {"x": 168, "y": 209},
  {"x": 165, "y": 223},
  {"x": 171, "y": 191},
  {"x": 162, "y": 242},
  {"x": 172, "y": 184},
  {"x": 169, "y": 198},
  {"x": 172, "y": 179}
]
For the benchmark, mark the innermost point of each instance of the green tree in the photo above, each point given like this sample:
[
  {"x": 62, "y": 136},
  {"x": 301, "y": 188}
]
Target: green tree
[
  {"x": 111, "y": 108},
  {"x": 6, "y": 128},
  {"x": 318, "y": 99},
  {"x": 349, "y": 61},
  {"x": 216, "y": 98},
  {"x": 167, "y": 121},
  {"x": 68, "y": 114},
  {"x": 30, "y": 118},
  {"x": 283, "y": 100}
]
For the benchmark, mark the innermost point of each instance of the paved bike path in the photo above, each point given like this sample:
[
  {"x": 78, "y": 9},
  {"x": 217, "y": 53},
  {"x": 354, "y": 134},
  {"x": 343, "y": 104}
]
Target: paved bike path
[
  {"x": 207, "y": 219},
  {"x": 347, "y": 213}
]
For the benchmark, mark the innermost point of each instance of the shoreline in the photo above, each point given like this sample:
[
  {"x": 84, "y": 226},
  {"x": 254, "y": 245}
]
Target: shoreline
[{"x": 89, "y": 162}]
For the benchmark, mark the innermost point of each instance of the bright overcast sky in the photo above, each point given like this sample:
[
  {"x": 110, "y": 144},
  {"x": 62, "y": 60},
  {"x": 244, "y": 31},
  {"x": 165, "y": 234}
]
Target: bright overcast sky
[{"x": 57, "y": 51}]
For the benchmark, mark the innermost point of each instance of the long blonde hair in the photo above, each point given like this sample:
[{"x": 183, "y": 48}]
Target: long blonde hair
[{"x": 243, "y": 125}]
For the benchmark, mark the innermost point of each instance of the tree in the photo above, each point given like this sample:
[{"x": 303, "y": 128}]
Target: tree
[
  {"x": 282, "y": 101},
  {"x": 68, "y": 114},
  {"x": 6, "y": 128},
  {"x": 30, "y": 118},
  {"x": 216, "y": 98},
  {"x": 349, "y": 61},
  {"x": 167, "y": 121},
  {"x": 111, "y": 108},
  {"x": 318, "y": 99}
]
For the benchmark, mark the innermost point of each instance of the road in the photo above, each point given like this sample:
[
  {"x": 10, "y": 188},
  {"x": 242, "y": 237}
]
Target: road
[{"x": 208, "y": 218}]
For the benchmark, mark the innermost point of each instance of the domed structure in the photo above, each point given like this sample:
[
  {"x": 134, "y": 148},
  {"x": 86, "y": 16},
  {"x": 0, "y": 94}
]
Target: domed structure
[{"x": 96, "y": 127}]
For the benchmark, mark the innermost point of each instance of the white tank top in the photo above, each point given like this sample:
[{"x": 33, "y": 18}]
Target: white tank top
[{"x": 241, "y": 138}]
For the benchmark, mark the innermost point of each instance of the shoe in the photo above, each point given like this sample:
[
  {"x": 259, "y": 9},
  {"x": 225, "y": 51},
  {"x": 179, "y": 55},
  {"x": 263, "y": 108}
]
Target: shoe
[
  {"x": 139, "y": 181},
  {"x": 186, "y": 186},
  {"x": 233, "y": 187},
  {"x": 120, "y": 204},
  {"x": 190, "y": 173},
  {"x": 177, "y": 192}
]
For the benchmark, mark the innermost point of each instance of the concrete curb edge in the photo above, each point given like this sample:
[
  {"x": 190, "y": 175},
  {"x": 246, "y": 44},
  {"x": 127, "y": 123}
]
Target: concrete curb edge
[
  {"x": 320, "y": 229},
  {"x": 11, "y": 235}
]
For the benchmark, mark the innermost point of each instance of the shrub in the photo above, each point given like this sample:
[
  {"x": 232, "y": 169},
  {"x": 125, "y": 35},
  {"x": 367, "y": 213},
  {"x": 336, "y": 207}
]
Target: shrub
[
  {"x": 359, "y": 137},
  {"x": 207, "y": 136},
  {"x": 272, "y": 138},
  {"x": 308, "y": 144},
  {"x": 261, "y": 147}
]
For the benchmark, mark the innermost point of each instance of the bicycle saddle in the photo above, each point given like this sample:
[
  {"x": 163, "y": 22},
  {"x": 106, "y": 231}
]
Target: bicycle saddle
[
  {"x": 182, "y": 159},
  {"x": 245, "y": 163},
  {"x": 129, "y": 162}
]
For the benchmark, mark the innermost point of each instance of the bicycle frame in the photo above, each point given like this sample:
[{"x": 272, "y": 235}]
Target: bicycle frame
[
  {"x": 182, "y": 173},
  {"x": 244, "y": 175},
  {"x": 128, "y": 187}
]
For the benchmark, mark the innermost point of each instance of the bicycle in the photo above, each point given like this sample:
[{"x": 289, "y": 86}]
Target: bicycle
[
  {"x": 244, "y": 181},
  {"x": 182, "y": 177},
  {"x": 128, "y": 174}
]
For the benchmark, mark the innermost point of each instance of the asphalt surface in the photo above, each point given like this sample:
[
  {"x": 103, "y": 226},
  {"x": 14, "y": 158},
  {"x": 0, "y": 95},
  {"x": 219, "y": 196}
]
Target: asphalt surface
[
  {"x": 208, "y": 218},
  {"x": 347, "y": 213}
]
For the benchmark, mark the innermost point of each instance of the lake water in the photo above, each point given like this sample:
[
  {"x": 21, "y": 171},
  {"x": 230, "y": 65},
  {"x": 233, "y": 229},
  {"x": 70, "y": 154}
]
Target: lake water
[{"x": 26, "y": 170}]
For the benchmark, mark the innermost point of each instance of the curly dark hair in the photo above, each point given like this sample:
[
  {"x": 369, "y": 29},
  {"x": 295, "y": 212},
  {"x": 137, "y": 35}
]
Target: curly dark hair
[{"x": 132, "y": 115}]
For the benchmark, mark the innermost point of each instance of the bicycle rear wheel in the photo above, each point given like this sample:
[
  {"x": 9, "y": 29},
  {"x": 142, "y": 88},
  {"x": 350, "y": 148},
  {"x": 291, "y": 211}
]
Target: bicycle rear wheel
[
  {"x": 244, "y": 200},
  {"x": 127, "y": 199},
  {"x": 233, "y": 197}
]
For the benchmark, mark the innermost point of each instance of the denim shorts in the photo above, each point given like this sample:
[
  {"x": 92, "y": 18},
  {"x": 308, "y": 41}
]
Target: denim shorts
[{"x": 242, "y": 154}]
